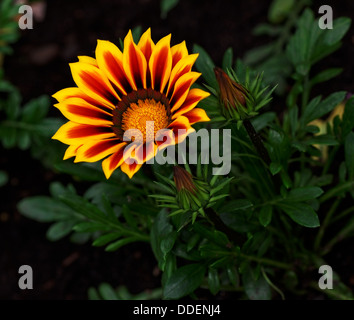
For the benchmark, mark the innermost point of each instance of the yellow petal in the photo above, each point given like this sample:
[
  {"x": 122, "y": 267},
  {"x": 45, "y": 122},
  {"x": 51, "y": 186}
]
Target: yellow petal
[
  {"x": 114, "y": 161},
  {"x": 130, "y": 169},
  {"x": 194, "y": 96},
  {"x": 196, "y": 115},
  {"x": 146, "y": 44},
  {"x": 181, "y": 89},
  {"x": 182, "y": 67},
  {"x": 89, "y": 60},
  {"x": 179, "y": 51},
  {"x": 71, "y": 151}
]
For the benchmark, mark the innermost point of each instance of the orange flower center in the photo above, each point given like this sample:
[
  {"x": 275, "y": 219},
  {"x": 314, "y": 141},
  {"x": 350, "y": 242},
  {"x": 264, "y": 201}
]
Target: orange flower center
[{"x": 137, "y": 114}]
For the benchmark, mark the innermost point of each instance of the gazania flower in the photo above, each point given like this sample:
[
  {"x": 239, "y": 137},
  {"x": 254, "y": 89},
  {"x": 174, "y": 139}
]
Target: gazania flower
[{"x": 140, "y": 91}]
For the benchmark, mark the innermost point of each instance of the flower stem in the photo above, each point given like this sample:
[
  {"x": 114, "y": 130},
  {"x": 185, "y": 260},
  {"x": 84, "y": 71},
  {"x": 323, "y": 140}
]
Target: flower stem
[
  {"x": 257, "y": 141},
  {"x": 325, "y": 223}
]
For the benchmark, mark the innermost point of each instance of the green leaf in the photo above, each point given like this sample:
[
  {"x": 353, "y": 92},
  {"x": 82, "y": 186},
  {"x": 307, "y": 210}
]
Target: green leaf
[
  {"x": 106, "y": 238},
  {"x": 184, "y": 281},
  {"x": 255, "y": 288},
  {"x": 349, "y": 155},
  {"x": 36, "y": 109},
  {"x": 315, "y": 110},
  {"x": 59, "y": 230},
  {"x": 161, "y": 229},
  {"x": 279, "y": 10},
  {"x": 258, "y": 54},
  {"x": 227, "y": 59},
  {"x": 340, "y": 27},
  {"x": 120, "y": 243},
  {"x": 326, "y": 139},
  {"x": 234, "y": 205},
  {"x": 348, "y": 117},
  {"x": 301, "y": 213},
  {"x": 4, "y": 178},
  {"x": 82, "y": 206},
  {"x": 44, "y": 209},
  {"x": 87, "y": 172},
  {"x": 263, "y": 120},
  {"x": 265, "y": 215},
  {"x": 213, "y": 281},
  {"x": 206, "y": 66},
  {"x": 106, "y": 291},
  {"x": 304, "y": 194},
  {"x": 326, "y": 75},
  {"x": 275, "y": 168},
  {"x": 167, "y": 6}
]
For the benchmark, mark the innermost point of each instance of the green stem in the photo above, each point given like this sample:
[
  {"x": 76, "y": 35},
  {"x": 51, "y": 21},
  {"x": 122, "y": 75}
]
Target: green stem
[
  {"x": 329, "y": 160},
  {"x": 267, "y": 261},
  {"x": 337, "y": 190},
  {"x": 325, "y": 223},
  {"x": 343, "y": 214},
  {"x": 339, "y": 237},
  {"x": 306, "y": 92},
  {"x": 290, "y": 23}
]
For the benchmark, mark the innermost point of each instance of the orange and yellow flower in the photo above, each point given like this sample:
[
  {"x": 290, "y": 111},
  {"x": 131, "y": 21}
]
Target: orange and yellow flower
[{"x": 146, "y": 88}]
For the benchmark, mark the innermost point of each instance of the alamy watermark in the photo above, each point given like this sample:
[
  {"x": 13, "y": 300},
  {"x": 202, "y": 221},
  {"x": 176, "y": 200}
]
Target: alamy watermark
[
  {"x": 211, "y": 149},
  {"x": 25, "y": 281},
  {"x": 326, "y": 21}
]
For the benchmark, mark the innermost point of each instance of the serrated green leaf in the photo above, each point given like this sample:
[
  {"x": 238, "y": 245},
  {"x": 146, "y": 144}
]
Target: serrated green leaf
[{"x": 315, "y": 109}]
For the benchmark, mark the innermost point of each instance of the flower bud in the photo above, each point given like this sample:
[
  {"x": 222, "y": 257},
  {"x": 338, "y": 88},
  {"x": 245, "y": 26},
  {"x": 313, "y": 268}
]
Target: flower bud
[
  {"x": 232, "y": 94},
  {"x": 183, "y": 180}
]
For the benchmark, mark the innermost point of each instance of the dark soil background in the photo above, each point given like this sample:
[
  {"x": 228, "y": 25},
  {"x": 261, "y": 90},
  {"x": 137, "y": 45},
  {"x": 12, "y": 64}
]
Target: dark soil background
[{"x": 63, "y": 270}]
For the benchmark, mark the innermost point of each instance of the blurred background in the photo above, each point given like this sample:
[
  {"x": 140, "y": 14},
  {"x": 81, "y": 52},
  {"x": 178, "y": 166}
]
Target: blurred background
[{"x": 38, "y": 65}]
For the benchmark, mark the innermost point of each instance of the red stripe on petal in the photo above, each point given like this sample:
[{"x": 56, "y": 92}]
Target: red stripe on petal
[
  {"x": 110, "y": 61},
  {"x": 134, "y": 62},
  {"x": 94, "y": 83}
]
